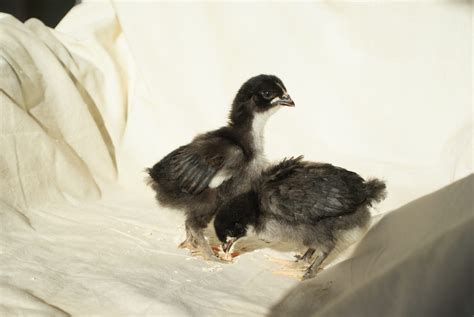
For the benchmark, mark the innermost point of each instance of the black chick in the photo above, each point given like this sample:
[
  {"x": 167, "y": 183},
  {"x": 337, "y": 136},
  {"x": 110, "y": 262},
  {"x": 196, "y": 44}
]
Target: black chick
[
  {"x": 220, "y": 164},
  {"x": 313, "y": 205}
]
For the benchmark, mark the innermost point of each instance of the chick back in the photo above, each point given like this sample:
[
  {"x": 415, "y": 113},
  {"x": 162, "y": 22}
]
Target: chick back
[
  {"x": 301, "y": 192},
  {"x": 315, "y": 204}
]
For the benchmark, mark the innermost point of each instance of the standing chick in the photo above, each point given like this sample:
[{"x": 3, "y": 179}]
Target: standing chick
[
  {"x": 314, "y": 205},
  {"x": 220, "y": 164}
]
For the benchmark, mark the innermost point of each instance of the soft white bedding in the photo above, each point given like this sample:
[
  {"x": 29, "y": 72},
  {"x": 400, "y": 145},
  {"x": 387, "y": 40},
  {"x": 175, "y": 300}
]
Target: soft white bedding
[{"x": 384, "y": 89}]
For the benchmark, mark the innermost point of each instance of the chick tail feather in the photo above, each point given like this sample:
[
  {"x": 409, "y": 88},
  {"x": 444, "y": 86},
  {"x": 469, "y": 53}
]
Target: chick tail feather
[
  {"x": 376, "y": 191},
  {"x": 150, "y": 178}
]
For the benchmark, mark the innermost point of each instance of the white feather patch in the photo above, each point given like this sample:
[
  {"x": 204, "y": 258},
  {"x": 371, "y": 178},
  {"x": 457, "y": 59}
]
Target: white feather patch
[{"x": 218, "y": 179}]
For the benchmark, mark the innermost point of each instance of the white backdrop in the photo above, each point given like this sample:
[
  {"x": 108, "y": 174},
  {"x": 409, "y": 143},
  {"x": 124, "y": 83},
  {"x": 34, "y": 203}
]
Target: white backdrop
[
  {"x": 384, "y": 89},
  {"x": 381, "y": 88}
]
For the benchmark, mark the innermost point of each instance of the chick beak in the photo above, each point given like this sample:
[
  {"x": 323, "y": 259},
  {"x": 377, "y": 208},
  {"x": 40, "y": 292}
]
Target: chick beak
[
  {"x": 285, "y": 100},
  {"x": 226, "y": 246}
]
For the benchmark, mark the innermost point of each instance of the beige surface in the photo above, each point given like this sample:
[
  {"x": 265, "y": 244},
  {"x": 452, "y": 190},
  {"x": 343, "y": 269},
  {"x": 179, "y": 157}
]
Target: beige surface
[{"x": 382, "y": 89}]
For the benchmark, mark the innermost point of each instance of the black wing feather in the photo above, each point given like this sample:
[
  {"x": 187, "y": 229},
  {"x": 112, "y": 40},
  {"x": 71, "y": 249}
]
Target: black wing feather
[
  {"x": 311, "y": 192},
  {"x": 192, "y": 167}
]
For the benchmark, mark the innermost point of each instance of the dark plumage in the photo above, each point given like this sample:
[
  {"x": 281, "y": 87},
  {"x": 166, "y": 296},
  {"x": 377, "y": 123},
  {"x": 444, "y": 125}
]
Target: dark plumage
[
  {"x": 198, "y": 176},
  {"x": 314, "y": 205}
]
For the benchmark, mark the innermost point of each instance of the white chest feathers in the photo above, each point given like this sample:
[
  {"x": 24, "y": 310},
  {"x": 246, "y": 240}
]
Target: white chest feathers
[{"x": 258, "y": 125}]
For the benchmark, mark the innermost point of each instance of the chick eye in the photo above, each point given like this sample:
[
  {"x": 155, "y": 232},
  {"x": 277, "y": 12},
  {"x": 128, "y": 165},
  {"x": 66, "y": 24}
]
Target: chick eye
[{"x": 266, "y": 94}]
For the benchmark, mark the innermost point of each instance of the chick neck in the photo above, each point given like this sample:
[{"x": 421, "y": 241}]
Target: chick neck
[{"x": 251, "y": 126}]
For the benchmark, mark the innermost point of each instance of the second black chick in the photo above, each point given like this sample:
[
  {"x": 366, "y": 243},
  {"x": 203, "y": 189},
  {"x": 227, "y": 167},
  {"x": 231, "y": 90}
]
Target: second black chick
[
  {"x": 220, "y": 164},
  {"x": 309, "y": 204}
]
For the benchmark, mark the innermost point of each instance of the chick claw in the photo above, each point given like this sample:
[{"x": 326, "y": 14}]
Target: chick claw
[
  {"x": 205, "y": 255},
  {"x": 298, "y": 257},
  {"x": 189, "y": 243},
  {"x": 311, "y": 273},
  {"x": 307, "y": 275}
]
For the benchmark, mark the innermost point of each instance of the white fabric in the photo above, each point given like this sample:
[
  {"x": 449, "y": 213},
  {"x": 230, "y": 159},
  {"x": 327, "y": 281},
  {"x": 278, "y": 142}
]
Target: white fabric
[{"x": 382, "y": 89}]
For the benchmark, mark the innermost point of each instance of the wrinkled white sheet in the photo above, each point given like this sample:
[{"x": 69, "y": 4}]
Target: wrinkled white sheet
[{"x": 382, "y": 89}]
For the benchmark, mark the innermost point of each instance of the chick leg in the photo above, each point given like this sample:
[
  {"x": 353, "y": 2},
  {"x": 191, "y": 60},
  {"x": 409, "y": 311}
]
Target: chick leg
[
  {"x": 196, "y": 230},
  {"x": 190, "y": 241},
  {"x": 312, "y": 270},
  {"x": 203, "y": 247}
]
